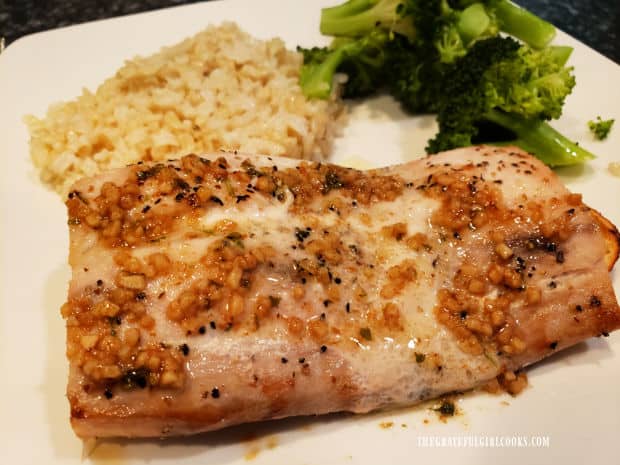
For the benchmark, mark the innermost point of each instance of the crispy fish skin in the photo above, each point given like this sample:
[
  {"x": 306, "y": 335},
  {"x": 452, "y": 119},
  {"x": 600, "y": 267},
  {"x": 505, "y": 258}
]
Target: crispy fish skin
[{"x": 223, "y": 289}]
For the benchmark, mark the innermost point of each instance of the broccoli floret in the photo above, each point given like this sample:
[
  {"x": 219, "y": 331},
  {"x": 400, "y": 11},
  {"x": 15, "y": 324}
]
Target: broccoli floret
[
  {"x": 530, "y": 83},
  {"x": 456, "y": 30},
  {"x": 457, "y": 25},
  {"x": 360, "y": 59},
  {"x": 415, "y": 75},
  {"x": 463, "y": 101},
  {"x": 600, "y": 128},
  {"x": 356, "y": 18},
  {"x": 417, "y": 69},
  {"x": 509, "y": 88},
  {"x": 317, "y": 74}
]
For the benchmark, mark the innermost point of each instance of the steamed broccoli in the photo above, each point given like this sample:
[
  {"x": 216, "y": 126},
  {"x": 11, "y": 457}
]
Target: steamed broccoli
[
  {"x": 419, "y": 37},
  {"x": 360, "y": 59},
  {"x": 417, "y": 69},
  {"x": 503, "y": 91},
  {"x": 455, "y": 28},
  {"x": 448, "y": 30},
  {"x": 520, "y": 23},
  {"x": 356, "y": 18},
  {"x": 537, "y": 137},
  {"x": 415, "y": 75},
  {"x": 455, "y": 23},
  {"x": 448, "y": 57},
  {"x": 600, "y": 128}
]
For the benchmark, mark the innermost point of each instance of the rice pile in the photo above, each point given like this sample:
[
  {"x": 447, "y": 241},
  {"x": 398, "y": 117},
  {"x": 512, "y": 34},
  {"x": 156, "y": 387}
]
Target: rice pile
[{"x": 219, "y": 90}]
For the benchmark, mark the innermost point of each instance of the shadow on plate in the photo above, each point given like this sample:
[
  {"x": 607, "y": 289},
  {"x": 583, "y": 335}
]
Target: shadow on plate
[
  {"x": 223, "y": 446},
  {"x": 382, "y": 107},
  {"x": 64, "y": 442},
  {"x": 415, "y": 130},
  {"x": 247, "y": 441},
  {"x": 589, "y": 352},
  {"x": 574, "y": 173}
]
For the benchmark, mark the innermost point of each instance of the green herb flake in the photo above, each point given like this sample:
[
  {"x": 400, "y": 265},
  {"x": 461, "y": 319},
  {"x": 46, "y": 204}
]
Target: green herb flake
[
  {"x": 332, "y": 181},
  {"x": 601, "y": 128},
  {"x": 236, "y": 239},
  {"x": 143, "y": 175},
  {"x": 251, "y": 169},
  {"x": 114, "y": 321}
]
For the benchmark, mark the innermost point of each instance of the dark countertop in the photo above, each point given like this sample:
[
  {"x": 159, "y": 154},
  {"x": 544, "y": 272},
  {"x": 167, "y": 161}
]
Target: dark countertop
[{"x": 594, "y": 22}]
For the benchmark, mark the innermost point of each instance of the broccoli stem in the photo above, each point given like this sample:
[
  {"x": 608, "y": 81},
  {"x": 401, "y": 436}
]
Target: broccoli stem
[
  {"x": 542, "y": 140},
  {"x": 560, "y": 53},
  {"x": 473, "y": 21},
  {"x": 522, "y": 24},
  {"x": 352, "y": 7},
  {"x": 316, "y": 80},
  {"x": 358, "y": 17}
]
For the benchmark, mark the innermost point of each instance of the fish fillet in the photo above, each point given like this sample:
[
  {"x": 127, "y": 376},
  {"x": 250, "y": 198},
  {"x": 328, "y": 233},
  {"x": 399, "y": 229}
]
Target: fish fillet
[{"x": 229, "y": 288}]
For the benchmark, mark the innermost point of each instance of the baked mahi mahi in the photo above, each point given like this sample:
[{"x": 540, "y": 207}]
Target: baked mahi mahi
[{"x": 229, "y": 288}]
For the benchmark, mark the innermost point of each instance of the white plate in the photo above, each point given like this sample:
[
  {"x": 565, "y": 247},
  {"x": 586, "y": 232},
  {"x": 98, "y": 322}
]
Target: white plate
[{"x": 573, "y": 399}]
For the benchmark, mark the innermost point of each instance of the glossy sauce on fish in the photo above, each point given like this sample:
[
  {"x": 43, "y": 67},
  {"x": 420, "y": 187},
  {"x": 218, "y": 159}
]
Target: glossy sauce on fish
[{"x": 228, "y": 288}]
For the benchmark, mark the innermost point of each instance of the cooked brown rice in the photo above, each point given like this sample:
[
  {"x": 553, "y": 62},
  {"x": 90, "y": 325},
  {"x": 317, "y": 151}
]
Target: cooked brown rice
[{"x": 221, "y": 89}]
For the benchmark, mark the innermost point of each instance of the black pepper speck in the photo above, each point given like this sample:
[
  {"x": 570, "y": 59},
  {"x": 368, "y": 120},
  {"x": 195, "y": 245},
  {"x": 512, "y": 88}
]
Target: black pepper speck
[
  {"x": 184, "y": 348},
  {"x": 217, "y": 200}
]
